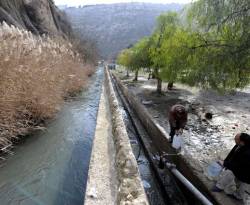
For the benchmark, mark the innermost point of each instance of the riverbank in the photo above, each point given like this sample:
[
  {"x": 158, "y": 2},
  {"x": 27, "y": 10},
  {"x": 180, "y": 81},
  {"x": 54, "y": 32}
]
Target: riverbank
[
  {"x": 205, "y": 140},
  {"x": 36, "y": 73}
]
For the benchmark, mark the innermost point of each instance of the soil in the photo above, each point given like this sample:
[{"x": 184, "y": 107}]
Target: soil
[{"x": 205, "y": 140}]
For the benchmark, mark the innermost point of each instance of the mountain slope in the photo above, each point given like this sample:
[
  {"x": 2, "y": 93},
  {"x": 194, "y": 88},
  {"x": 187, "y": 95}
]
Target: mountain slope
[{"x": 116, "y": 26}]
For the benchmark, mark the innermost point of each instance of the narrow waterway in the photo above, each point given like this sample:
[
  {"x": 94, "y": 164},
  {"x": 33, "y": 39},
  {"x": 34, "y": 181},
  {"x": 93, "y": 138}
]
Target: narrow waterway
[
  {"x": 150, "y": 183},
  {"x": 50, "y": 167},
  {"x": 151, "y": 186}
]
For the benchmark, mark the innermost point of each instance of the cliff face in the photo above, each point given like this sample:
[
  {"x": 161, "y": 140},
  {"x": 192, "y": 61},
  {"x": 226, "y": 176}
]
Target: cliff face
[{"x": 38, "y": 16}]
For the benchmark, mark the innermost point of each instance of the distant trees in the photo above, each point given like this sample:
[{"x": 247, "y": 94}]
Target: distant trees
[
  {"x": 124, "y": 59},
  {"x": 136, "y": 57},
  {"x": 141, "y": 56},
  {"x": 212, "y": 51}
]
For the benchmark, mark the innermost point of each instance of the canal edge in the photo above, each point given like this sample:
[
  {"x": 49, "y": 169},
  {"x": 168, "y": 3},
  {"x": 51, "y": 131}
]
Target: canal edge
[
  {"x": 102, "y": 179},
  {"x": 128, "y": 184}
]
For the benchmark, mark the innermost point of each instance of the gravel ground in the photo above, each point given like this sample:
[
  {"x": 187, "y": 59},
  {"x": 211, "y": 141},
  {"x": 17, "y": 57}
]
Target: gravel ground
[{"x": 205, "y": 140}]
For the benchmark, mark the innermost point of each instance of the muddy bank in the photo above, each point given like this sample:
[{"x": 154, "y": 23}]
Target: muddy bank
[
  {"x": 197, "y": 154},
  {"x": 130, "y": 187}
]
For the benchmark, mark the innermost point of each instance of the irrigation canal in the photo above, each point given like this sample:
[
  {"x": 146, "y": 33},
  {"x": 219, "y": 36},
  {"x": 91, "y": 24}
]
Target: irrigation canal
[
  {"x": 159, "y": 190},
  {"x": 51, "y": 167}
]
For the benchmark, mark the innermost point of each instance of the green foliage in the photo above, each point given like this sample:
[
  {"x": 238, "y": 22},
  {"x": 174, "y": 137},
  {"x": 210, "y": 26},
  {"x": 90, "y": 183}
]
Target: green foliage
[
  {"x": 166, "y": 26},
  {"x": 125, "y": 58},
  {"x": 136, "y": 57},
  {"x": 213, "y": 51},
  {"x": 221, "y": 53},
  {"x": 174, "y": 55},
  {"x": 141, "y": 54},
  {"x": 166, "y": 52},
  {"x": 214, "y": 14}
]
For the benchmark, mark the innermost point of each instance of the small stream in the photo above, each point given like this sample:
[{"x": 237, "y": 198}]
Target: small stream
[
  {"x": 148, "y": 177},
  {"x": 150, "y": 183},
  {"x": 51, "y": 166}
]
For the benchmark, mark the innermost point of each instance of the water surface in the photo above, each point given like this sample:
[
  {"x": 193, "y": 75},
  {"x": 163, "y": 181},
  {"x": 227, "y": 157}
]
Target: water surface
[{"x": 50, "y": 167}]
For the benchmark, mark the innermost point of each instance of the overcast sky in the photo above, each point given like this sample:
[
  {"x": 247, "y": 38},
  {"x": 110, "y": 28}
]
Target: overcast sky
[{"x": 87, "y": 2}]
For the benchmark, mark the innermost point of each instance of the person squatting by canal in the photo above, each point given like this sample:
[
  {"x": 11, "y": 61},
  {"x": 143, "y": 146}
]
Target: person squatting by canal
[
  {"x": 234, "y": 180},
  {"x": 177, "y": 120}
]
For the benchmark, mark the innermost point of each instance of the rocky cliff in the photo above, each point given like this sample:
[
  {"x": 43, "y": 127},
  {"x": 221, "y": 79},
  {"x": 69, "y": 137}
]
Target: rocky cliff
[{"x": 38, "y": 16}]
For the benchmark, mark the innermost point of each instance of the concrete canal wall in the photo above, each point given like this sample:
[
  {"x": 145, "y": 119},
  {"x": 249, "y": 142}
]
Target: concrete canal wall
[
  {"x": 102, "y": 178},
  {"x": 130, "y": 188},
  {"x": 123, "y": 185},
  {"x": 114, "y": 177}
]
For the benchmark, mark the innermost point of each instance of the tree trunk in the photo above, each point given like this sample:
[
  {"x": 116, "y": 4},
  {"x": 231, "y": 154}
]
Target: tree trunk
[
  {"x": 170, "y": 85},
  {"x": 149, "y": 75},
  {"x": 127, "y": 73},
  {"x": 159, "y": 85},
  {"x": 136, "y": 75},
  {"x": 153, "y": 75},
  {"x": 159, "y": 81},
  {"x": 240, "y": 79}
]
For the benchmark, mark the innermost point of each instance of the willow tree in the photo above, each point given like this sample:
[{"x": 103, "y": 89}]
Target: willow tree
[
  {"x": 166, "y": 26},
  {"x": 124, "y": 59},
  {"x": 175, "y": 56},
  {"x": 141, "y": 56},
  {"x": 220, "y": 54},
  {"x": 136, "y": 57}
]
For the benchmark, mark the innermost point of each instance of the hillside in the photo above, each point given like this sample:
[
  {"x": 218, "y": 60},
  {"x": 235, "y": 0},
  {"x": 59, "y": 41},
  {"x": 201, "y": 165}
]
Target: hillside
[
  {"x": 116, "y": 26},
  {"x": 38, "y": 16}
]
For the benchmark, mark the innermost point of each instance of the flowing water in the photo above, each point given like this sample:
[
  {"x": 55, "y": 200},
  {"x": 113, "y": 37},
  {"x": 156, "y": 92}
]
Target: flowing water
[
  {"x": 51, "y": 167},
  {"x": 152, "y": 189},
  {"x": 150, "y": 184}
]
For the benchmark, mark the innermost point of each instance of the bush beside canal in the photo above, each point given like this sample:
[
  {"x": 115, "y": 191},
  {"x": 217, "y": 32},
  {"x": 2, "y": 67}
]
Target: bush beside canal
[{"x": 36, "y": 75}]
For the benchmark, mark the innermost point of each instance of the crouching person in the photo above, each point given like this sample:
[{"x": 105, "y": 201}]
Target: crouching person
[
  {"x": 177, "y": 120},
  {"x": 234, "y": 180}
]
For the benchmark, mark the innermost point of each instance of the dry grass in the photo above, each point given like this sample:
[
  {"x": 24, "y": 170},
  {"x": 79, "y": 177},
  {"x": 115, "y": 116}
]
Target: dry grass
[{"x": 36, "y": 74}]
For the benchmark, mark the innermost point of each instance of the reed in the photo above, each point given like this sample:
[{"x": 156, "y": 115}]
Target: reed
[{"x": 36, "y": 74}]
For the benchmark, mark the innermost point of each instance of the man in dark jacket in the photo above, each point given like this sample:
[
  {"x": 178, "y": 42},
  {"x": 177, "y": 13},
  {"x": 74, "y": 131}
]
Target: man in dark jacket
[
  {"x": 177, "y": 120},
  {"x": 235, "y": 179}
]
